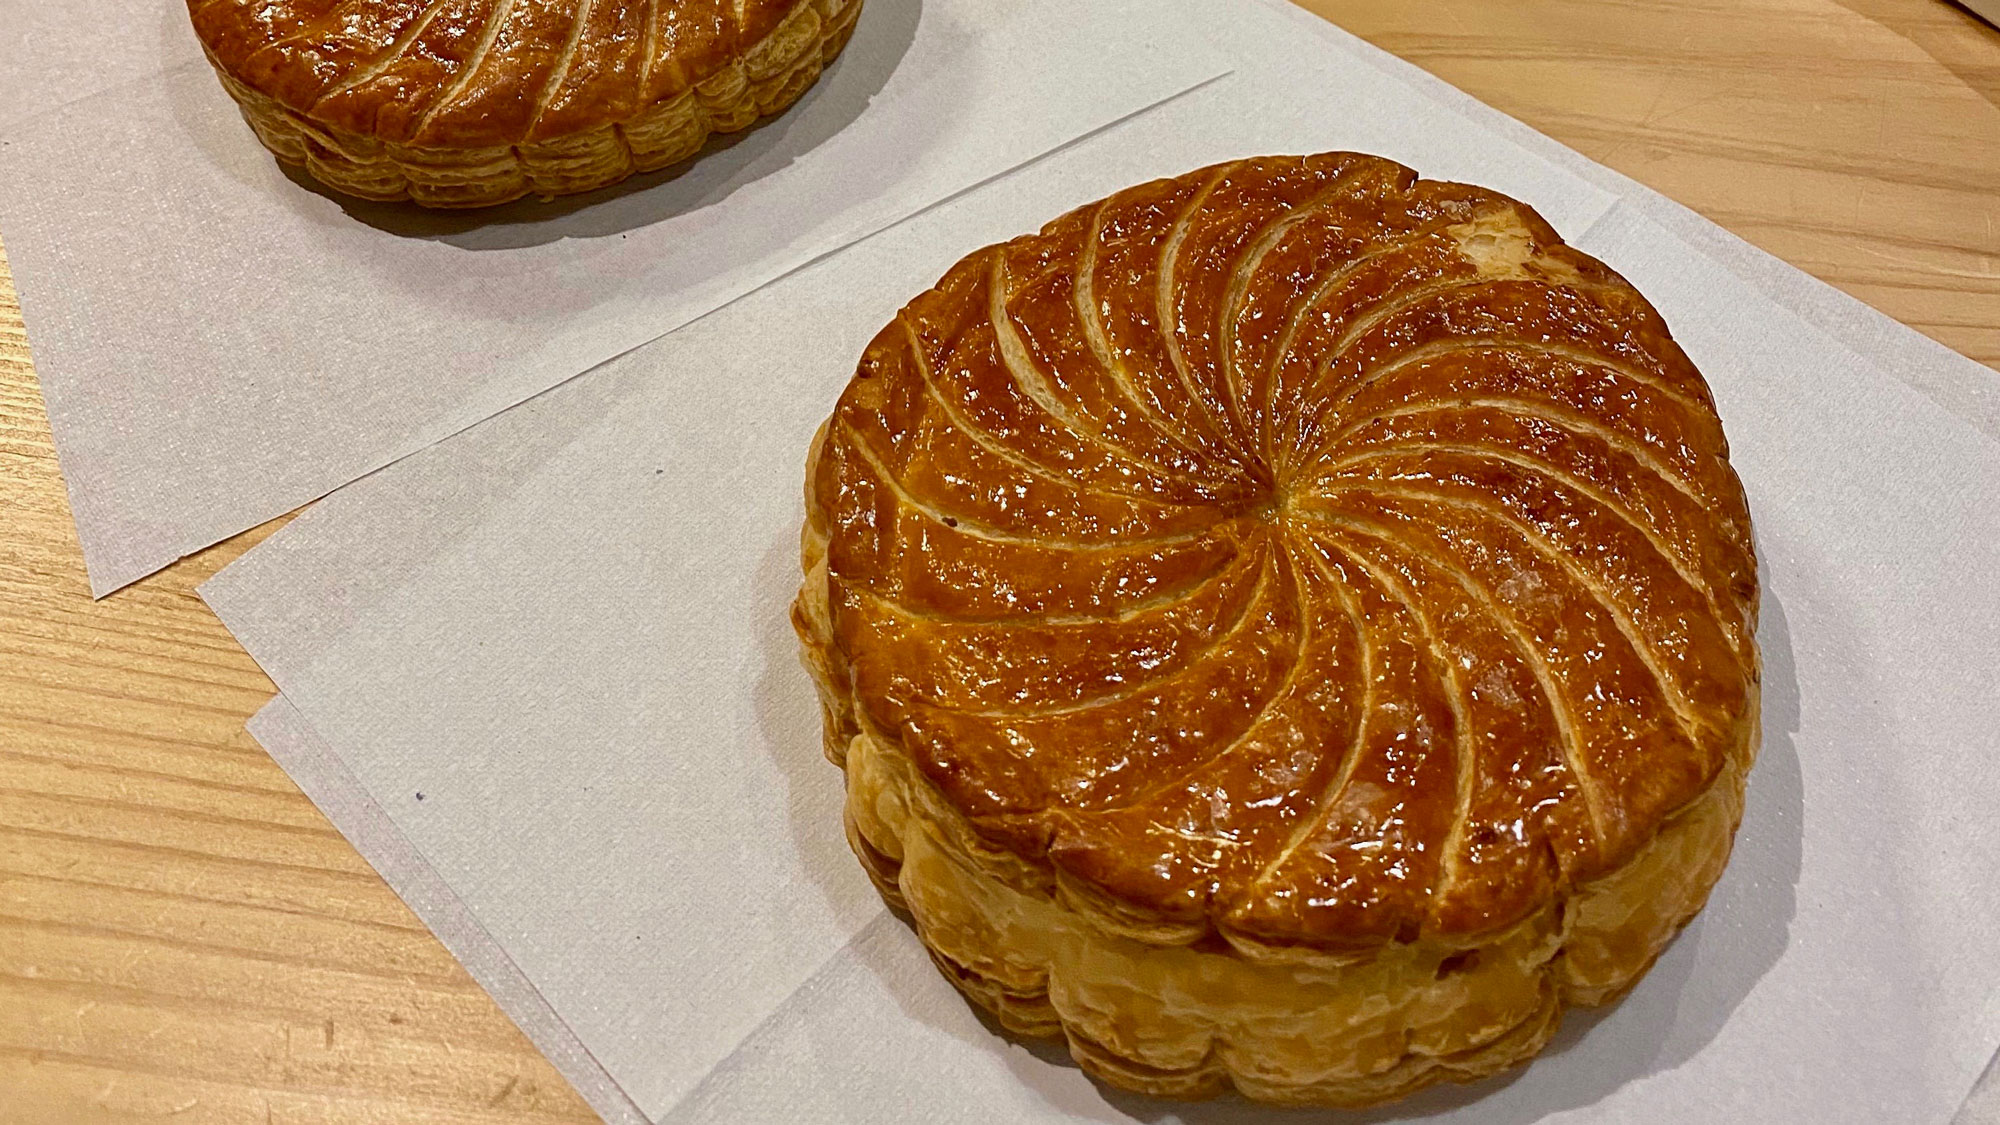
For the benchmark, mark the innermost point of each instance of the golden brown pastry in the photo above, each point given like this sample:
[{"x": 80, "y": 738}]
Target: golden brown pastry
[
  {"x": 465, "y": 103},
  {"x": 1288, "y": 627}
]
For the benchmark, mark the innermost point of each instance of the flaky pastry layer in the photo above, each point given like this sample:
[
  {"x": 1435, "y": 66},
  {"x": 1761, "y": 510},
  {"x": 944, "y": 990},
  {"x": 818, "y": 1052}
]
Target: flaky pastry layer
[{"x": 766, "y": 80}]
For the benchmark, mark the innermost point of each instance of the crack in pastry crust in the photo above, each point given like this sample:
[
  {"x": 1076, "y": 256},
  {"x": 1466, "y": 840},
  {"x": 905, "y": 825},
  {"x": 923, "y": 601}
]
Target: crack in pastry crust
[
  {"x": 472, "y": 103},
  {"x": 1288, "y": 627}
]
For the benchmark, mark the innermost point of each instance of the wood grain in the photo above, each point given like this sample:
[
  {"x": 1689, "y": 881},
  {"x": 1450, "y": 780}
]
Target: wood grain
[
  {"x": 184, "y": 937},
  {"x": 182, "y": 934}
]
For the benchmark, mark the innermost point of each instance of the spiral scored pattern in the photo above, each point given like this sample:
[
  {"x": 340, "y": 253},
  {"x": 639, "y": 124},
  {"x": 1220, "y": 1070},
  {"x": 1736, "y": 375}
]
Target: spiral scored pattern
[
  {"x": 1299, "y": 569},
  {"x": 469, "y": 103}
]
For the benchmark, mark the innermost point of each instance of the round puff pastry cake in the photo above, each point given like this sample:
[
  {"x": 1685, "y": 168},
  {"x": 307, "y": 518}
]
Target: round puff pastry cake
[
  {"x": 466, "y": 103},
  {"x": 1288, "y": 627}
]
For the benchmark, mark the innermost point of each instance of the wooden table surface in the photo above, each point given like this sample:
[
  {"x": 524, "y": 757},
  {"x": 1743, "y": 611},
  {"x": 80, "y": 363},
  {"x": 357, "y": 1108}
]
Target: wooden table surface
[{"x": 184, "y": 937}]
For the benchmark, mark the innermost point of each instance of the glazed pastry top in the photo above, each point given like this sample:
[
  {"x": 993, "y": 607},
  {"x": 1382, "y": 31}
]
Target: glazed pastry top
[
  {"x": 1297, "y": 547},
  {"x": 480, "y": 73}
]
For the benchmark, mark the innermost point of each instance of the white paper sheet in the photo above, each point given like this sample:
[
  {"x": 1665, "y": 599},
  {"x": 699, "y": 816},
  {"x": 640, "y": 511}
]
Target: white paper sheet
[
  {"x": 60, "y": 53},
  {"x": 324, "y": 778},
  {"x": 219, "y": 342},
  {"x": 577, "y": 653},
  {"x": 1983, "y": 1107}
]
